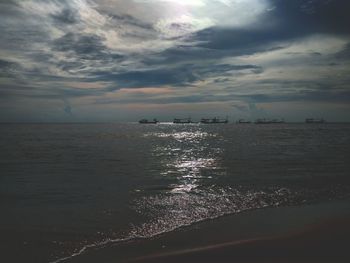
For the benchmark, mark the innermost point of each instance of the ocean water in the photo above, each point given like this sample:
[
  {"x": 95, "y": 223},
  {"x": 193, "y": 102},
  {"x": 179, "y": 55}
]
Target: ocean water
[{"x": 68, "y": 188}]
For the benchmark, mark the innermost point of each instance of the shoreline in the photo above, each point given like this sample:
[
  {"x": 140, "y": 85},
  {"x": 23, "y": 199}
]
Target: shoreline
[
  {"x": 325, "y": 242},
  {"x": 238, "y": 232}
]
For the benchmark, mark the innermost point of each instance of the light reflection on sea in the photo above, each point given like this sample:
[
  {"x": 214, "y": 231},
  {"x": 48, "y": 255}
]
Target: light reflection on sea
[
  {"x": 186, "y": 157},
  {"x": 198, "y": 183},
  {"x": 102, "y": 184}
]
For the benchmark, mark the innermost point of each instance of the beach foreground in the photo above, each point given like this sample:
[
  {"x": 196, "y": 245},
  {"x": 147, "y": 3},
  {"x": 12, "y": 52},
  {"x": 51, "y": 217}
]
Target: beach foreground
[
  {"x": 298, "y": 234},
  {"x": 326, "y": 242}
]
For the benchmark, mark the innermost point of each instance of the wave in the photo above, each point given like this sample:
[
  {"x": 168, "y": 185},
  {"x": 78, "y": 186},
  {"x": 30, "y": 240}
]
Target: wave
[{"x": 165, "y": 212}]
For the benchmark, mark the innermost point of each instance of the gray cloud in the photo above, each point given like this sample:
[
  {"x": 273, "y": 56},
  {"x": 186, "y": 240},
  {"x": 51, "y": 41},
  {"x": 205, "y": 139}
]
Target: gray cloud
[
  {"x": 288, "y": 51},
  {"x": 8, "y": 68},
  {"x": 84, "y": 46},
  {"x": 181, "y": 75},
  {"x": 344, "y": 54},
  {"x": 66, "y": 16},
  {"x": 67, "y": 107}
]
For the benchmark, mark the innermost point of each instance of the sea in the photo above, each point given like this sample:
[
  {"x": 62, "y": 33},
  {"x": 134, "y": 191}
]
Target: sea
[{"x": 68, "y": 188}]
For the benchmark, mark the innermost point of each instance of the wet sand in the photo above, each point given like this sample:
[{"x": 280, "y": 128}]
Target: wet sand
[
  {"x": 325, "y": 242},
  {"x": 304, "y": 234}
]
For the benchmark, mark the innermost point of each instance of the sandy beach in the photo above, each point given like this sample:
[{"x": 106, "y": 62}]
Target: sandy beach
[
  {"x": 326, "y": 242},
  {"x": 301, "y": 234}
]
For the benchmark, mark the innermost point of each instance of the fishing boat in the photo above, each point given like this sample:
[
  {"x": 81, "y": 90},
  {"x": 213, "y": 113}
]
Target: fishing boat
[
  {"x": 214, "y": 120},
  {"x": 312, "y": 120},
  {"x": 278, "y": 121},
  {"x": 243, "y": 121},
  {"x": 182, "y": 121},
  {"x": 263, "y": 121},
  {"x": 269, "y": 121},
  {"x": 145, "y": 121}
]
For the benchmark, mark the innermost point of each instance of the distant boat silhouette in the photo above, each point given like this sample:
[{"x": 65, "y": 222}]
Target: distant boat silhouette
[
  {"x": 278, "y": 121},
  {"x": 263, "y": 121},
  {"x": 185, "y": 120},
  {"x": 268, "y": 121},
  {"x": 145, "y": 121},
  {"x": 243, "y": 121},
  {"x": 312, "y": 120},
  {"x": 214, "y": 120}
]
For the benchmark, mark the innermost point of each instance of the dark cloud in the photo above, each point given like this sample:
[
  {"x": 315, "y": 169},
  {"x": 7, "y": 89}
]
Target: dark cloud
[
  {"x": 288, "y": 20},
  {"x": 317, "y": 16},
  {"x": 181, "y": 75},
  {"x": 84, "y": 46},
  {"x": 239, "y": 41},
  {"x": 7, "y": 64},
  {"x": 8, "y": 68},
  {"x": 67, "y": 16},
  {"x": 321, "y": 96},
  {"x": 85, "y": 53},
  {"x": 129, "y": 20},
  {"x": 344, "y": 54},
  {"x": 203, "y": 53}
]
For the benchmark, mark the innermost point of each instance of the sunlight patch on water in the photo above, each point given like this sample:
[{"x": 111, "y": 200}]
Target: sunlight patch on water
[
  {"x": 181, "y": 136},
  {"x": 181, "y": 188},
  {"x": 187, "y": 157},
  {"x": 178, "y": 208}
]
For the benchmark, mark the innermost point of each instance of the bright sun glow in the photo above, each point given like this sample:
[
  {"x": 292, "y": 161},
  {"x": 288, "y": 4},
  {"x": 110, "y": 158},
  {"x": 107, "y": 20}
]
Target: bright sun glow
[
  {"x": 180, "y": 18},
  {"x": 183, "y": 3}
]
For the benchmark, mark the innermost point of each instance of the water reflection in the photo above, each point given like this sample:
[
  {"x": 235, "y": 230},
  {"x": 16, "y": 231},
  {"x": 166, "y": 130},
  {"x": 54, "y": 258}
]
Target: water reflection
[
  {"x": 186, "y": 156},
  {"x": 186, "y": 136},
  {"x": 191, "y": 183}
]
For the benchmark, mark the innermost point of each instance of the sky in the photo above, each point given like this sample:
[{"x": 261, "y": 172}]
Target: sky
[{"x": 123, "y": 60}]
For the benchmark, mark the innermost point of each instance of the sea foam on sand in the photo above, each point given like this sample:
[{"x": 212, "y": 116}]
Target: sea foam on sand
[{"x": 299, "y": 234}]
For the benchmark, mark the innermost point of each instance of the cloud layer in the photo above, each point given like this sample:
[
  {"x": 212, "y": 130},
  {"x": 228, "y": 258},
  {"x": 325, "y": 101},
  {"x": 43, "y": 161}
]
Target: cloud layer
[{"x": 99, "y": 60}]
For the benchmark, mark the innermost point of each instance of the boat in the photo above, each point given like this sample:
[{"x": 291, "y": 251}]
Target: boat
[
  {"x": 278, "y": 121},
  {"x": 263, "y": 121},
  {"x": 183, "y": 121},
  {"x": 312, "y": 120},
  {"x": 145, "y": 121},
  {"x": 243, "y": 121},
  {"x": 214, "y": 120}
]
